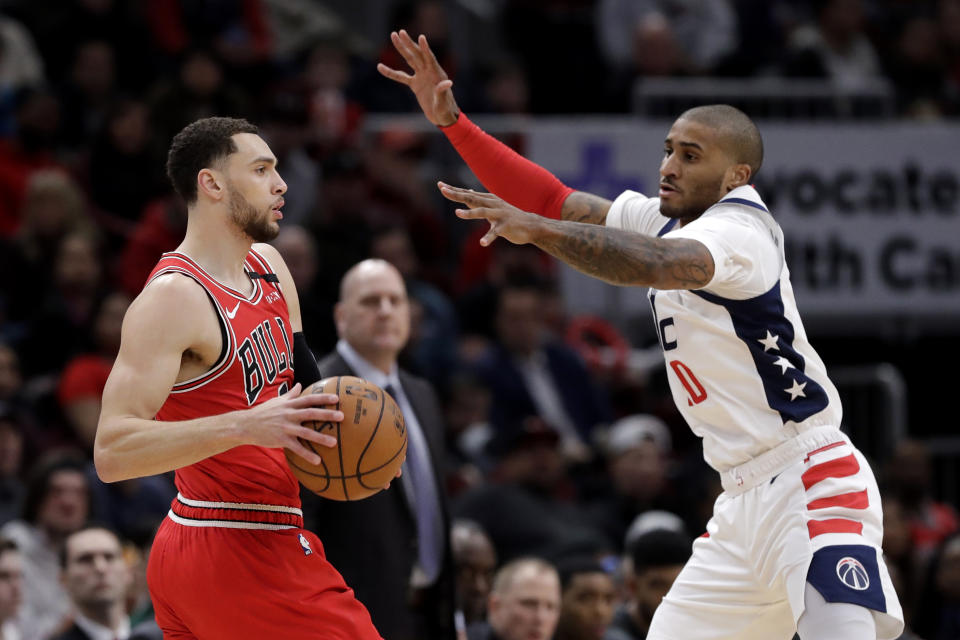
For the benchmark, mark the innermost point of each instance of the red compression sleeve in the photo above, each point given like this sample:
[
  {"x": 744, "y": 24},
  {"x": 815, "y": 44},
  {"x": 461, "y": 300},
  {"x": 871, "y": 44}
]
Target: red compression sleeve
[{"x": 503, "y": 171}]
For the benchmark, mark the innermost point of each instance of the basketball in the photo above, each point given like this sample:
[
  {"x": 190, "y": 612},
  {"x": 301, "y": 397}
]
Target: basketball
[{"x": 371, "y": 442}]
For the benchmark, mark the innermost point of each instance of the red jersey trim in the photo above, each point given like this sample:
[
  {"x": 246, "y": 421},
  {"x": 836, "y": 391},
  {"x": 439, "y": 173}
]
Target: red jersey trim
[
  {"x": 253, "y": 298},
  {"x": 227, "y": 355}
]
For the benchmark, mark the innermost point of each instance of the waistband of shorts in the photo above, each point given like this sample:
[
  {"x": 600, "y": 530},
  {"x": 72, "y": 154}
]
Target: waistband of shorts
[
  {"x": 770, "y": 463},
  {"x": 234, "y": 515}
]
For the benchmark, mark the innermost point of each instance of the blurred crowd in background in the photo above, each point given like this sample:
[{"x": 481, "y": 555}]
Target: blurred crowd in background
[{"x": 91, "y": 93}]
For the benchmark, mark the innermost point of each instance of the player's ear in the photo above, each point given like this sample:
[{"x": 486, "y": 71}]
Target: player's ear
[
  {"x": 737, "y": 175},
  {"x": 208, "y": 182}
]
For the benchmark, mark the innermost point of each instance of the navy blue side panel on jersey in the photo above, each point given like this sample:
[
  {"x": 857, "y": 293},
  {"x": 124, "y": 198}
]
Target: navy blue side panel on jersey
[
  {"x": 779, "y": 365},
  {"x": 848, "y": 573}
]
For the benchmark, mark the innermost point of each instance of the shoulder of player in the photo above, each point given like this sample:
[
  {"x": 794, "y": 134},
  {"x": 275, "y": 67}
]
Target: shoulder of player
[
  {"x": 167, "y": 300},
  {"x": 273, "y": 257}
]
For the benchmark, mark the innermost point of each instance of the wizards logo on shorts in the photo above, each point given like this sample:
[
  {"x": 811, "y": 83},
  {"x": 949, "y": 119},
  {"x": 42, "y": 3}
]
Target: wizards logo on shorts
[
  {"x": 848, "y": 573},
  {"x": 304, "y": 544}
]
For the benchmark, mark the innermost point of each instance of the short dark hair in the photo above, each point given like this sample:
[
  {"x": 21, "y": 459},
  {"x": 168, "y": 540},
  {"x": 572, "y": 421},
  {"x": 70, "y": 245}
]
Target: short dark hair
[
  {"x": 92, "y": 526},
  {"x": 200, "y": 145},
  {"x": 660, "y": 548},
  {"x": 6, "y": 544},
  {"x": 739, "y": 133},
  {"x": 571, "y": 567},
  {"x": 38, "y": 484}
]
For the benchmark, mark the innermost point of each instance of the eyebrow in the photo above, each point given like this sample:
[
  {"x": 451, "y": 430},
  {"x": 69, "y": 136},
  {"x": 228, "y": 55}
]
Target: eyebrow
[
  {"x": 685, "y": 144},
  {"x": 266, "y": 159}
]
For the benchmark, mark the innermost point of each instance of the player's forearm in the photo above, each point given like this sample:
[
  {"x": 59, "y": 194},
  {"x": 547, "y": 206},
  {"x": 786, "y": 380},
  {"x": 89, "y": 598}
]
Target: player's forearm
[
  {"x": 503, "y": 171},
  {"x": 623, "y": 257},
  {"x": 129, "y": 447}
]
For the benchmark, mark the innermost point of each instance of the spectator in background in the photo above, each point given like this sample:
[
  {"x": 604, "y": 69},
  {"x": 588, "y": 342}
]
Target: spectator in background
[
  {"x": 655, "y": 558},
  {"x": 917, "y": 67},
  {"x": 20, "y": 66},
  {"x": 666, "y": 37},
  {"x": 835, "y": 46},
  {"x": 56, "y": 505},
  {"x": 638, "y": 450},
  {"x": 529, "y": 507},
  {"x": 938, "y": 615},
  {"x": 83, "y": 378},
  {"x": 11, "y": 589},
  {"x": 299, "y": 250},
  {"x": 466, "y": 406},
  {"x": 31, "y": 149},
  {"x": 530, "y": 374},
  {"x": 524, "y": 603},
  {"x": 123, "y": 170},
  {"x": 88, "y": 93},
  {"x": 12, "y": 489},
  {"x": 53, "y": 207},
  {"x": 475, "y": 560},
  {"x": 97, "y": 578},
  {"x": 587, "y": 598},
  {"x": 909, "y": 476},
  {"x": 64, "y": 317},
  {"x": 198, "y": 90},
  {"x": 160, "y": 228}
]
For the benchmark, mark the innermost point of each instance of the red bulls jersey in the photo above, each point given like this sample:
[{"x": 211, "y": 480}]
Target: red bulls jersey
[{"x": 255, "y": 364}]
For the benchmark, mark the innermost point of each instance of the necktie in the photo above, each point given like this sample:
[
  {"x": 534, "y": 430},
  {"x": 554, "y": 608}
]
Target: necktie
[{"x": 421, "y": 490}]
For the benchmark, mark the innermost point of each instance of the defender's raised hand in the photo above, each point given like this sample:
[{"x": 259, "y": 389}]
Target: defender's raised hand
[
  {"x": 516, "y": 225},
  {"x": 429, "y": 81}
]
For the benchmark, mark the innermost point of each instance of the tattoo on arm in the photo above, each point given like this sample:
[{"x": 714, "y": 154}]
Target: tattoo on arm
[
  {"x": 626, "y": 258},
  {"x": 585, "y": 207}
]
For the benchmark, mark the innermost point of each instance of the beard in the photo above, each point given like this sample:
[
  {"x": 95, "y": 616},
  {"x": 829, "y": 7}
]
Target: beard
[
  {"x": 698, "y": 199},
  {"x": 256, "y": 225}
]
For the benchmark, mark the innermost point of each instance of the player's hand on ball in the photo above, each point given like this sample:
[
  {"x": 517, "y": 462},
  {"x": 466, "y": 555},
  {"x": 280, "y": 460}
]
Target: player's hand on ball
[
  {"x": 279, "y": 422},
  {"x": 429, "y": 81},
  {"x": 517, "y": 226}
]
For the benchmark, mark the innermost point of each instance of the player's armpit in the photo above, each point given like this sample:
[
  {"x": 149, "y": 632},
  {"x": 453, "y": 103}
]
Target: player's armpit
[
  {"x": 623, "y": 257},
  {"x": 585, "y": 207}
]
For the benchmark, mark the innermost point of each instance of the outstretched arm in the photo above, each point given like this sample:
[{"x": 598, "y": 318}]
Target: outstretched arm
[
  {"x": 612, "y": 255},
  {"x": 501, "y": 170},
  {"x": 160, "y": 326}
]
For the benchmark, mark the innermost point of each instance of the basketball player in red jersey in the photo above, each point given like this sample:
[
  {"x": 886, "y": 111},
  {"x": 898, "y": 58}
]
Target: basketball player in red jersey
[{"x": 207, "y": 382}]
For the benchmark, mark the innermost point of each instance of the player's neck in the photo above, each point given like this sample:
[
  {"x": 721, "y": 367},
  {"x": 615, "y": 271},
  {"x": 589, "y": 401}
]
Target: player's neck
[{"x": 218, "y": 246}]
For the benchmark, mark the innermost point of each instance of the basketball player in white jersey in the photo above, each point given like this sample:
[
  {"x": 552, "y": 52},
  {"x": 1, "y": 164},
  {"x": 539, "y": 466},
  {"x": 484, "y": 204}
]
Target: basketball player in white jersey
[{"x": 794, "y": 541}]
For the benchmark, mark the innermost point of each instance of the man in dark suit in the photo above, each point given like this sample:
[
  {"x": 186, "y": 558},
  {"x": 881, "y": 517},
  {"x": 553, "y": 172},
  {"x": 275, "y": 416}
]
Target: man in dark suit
[
  {"x": 97, "y": 578},
  {"x": 392, "y": 548}
]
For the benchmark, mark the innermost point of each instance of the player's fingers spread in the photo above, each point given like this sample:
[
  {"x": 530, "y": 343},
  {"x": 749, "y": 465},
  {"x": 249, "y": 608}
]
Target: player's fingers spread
[
  {"x": 322, "y": 438},
  {"x": 317, "y": 399},
  {"x": 297, "y": 447},
  {"x": 455, "y": 193},
  {"x": 443, "y": 85},
  {"x": 294, "y": 391},
  {"x": 394, "y": 74},
  {"x": 318, "y": 415},
  {"x": 489, "y": 236}
]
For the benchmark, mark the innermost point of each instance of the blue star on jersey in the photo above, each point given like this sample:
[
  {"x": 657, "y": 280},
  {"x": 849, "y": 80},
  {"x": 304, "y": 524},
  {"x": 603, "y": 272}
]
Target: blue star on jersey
[{"x": 761, "y": 324}]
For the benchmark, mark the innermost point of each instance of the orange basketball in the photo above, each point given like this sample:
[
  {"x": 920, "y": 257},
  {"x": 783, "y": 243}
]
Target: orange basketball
[{"x": 371, "y": 442}]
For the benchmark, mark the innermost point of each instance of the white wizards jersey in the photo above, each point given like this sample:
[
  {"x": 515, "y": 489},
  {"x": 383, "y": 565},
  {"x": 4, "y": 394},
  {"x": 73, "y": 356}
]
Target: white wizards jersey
[{"x": 741, "y": 370}]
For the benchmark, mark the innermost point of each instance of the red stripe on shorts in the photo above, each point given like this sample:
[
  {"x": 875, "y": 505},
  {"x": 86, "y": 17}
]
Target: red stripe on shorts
[
  {"x": 821, "y": 449},
  {"x": 839, "y": 468},
  {"x": 852, "y": 500},
  {"x": 834, "y": 525}
]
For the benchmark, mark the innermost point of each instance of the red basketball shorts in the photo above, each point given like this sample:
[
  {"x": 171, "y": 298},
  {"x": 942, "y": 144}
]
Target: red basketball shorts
[{"x": 212, "y": 582}]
